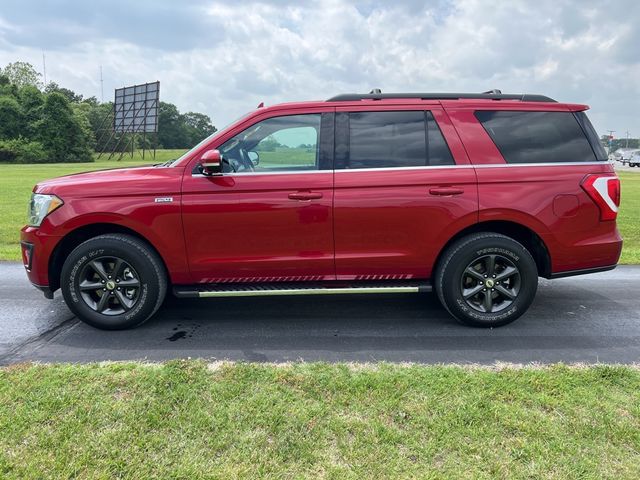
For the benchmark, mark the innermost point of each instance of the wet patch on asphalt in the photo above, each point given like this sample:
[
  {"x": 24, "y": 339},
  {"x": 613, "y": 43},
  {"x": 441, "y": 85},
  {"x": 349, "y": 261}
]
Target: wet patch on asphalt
[{"x": 183, "y": 331}]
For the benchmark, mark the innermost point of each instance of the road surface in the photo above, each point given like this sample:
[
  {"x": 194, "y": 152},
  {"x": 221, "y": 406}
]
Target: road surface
[{"x": 593, "y": 318}]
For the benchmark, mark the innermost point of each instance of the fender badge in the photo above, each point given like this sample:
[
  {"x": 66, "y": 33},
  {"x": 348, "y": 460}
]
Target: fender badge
[{"x": 164, "y": 199}]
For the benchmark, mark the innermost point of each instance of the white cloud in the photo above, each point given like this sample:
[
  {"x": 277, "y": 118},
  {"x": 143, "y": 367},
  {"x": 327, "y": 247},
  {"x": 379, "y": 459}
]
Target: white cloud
[{"x": 223, "y": 59}]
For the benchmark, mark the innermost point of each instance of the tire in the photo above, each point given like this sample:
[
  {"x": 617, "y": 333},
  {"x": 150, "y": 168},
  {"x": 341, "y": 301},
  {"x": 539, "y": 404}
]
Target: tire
[
  {"x": 121, "y": 267},
  {"x": 465, "y": 268}
]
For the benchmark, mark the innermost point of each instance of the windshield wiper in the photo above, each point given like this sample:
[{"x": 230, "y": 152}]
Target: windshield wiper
[{"x": 165, "y": 164}]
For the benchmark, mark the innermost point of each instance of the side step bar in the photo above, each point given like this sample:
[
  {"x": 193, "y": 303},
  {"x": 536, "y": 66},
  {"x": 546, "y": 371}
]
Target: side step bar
[{"x": 301, "y": 288}]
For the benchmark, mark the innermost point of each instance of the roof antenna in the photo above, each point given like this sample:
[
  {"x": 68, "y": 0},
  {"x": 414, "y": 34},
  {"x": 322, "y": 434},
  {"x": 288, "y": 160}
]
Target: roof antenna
[
  {"x": 375, "y": 91},
  {"x": 494, "y": 91}
]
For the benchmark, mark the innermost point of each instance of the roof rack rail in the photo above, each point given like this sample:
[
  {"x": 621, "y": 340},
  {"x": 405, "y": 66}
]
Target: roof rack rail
[{"x": 490, "y": 95}]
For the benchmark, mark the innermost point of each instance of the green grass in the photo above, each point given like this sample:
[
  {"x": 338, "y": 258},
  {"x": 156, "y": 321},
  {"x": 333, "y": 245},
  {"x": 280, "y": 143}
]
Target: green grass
[
  {"x": 185, "y": 420},
  {"x": 17, "y": 181},
  {"x": 287, "y": 156},
  {"x": 629, "y": 217}
]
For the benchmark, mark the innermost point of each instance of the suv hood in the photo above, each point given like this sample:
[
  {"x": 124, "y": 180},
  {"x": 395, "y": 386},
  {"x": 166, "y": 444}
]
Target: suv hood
[{"x": 114, "y": 182}]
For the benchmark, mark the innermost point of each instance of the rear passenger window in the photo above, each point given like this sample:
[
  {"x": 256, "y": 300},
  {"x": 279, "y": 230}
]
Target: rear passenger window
[
  {"x": 392, "y": 140},
  {"x": 537, "y": 137}
]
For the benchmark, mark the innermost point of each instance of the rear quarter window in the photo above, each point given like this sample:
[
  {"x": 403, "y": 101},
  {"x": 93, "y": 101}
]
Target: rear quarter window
[{"x": 537, "y": 137}]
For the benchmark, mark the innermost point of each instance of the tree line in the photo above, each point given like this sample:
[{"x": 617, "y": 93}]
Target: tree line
[
  {"x": 49, "y": 123},
  {"x": 617, "y": 143}
]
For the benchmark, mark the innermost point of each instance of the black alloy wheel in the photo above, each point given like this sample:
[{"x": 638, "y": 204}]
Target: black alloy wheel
[{"x": 109, "y": 285}]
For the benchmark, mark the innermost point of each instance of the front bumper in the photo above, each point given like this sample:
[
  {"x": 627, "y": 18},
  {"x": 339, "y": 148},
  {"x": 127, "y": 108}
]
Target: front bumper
[{"x": 37, "y": 249}]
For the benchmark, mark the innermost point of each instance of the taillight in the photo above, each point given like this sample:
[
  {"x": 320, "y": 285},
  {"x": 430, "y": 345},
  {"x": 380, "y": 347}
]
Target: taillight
[{"x": 604, "y": 190}]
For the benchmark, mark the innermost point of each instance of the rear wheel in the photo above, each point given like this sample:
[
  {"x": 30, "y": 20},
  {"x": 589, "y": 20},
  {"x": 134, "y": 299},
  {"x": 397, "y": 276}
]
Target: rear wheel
[
  {"x": 486, "y": 280},
  {"x": 113, "y": 281}
]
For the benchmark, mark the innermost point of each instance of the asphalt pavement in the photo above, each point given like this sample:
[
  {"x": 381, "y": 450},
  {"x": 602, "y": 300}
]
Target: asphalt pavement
[{"x": 593, "y": 318}]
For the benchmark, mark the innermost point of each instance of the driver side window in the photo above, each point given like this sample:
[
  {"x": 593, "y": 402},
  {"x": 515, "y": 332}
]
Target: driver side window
[{"x": 288, "y": 143}]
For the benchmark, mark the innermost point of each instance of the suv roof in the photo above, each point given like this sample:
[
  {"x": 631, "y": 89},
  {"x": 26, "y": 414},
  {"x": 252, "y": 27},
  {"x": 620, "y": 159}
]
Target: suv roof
[{"x": 376, "y": 94}]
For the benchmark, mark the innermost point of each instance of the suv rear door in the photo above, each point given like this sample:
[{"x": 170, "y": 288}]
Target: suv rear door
[{"x": 401, "y": 190}]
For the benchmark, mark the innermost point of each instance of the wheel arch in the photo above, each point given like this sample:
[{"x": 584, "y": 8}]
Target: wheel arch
[
  {"x": 75, "y": 237},
  {"x": 521, "y": 233}
]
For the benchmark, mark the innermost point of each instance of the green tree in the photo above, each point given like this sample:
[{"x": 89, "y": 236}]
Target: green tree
[
  {"x": 69, "y": 94},
  {"x": 198, "y": 126},
  {"x": 31, "y": 101},
  {"x": 21, "y": 74},
  {"x": 61, "y": 133},
  {"x": 11, "y": 118},
  {"x": 171, "y": 128},
  {"x": 7, "y": 88},
  {"x": 81, "y": 113}
]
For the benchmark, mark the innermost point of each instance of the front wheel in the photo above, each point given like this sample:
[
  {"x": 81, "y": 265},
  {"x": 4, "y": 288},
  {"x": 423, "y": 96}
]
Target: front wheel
[
  {"x": 113, "y": 281},
  {"x": 486, "y": 280}
]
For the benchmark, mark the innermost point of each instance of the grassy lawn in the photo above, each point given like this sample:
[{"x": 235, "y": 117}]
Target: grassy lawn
[
  {"x": 184, "y": 419},
  {"x": 629, "y": 217},
  {"x": 17, "y": 181}
]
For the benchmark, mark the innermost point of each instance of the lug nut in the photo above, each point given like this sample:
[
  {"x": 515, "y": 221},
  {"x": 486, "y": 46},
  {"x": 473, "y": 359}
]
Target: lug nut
[
  {"x": 104, "y": 289},
  {"x": 109, "y": 276}
]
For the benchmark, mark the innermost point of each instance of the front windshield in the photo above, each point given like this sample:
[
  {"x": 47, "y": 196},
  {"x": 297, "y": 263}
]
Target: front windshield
[{"x": 208, "y": 139}]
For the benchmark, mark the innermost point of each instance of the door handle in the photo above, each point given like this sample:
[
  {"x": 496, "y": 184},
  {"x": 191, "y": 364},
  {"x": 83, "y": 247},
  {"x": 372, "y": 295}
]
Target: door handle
[
  {"x": 446, "y": 191},
  {"x": 305, "y": 195}
]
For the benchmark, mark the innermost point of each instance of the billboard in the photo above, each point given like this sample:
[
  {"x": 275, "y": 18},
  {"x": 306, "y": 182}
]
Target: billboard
[{"x": 135, "y": 109}]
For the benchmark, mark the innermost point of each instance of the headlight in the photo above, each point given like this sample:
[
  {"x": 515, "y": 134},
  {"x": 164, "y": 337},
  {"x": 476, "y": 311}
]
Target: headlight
[{"x": 40, "y": 206}]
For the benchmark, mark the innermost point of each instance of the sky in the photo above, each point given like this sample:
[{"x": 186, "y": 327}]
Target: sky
[{"x": 224, "y": 58}]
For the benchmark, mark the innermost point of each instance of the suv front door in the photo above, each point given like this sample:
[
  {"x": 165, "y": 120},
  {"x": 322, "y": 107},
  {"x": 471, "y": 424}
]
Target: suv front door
[
  {"x": 268, "y": 217},
  {"x": 399, "y": 194}
]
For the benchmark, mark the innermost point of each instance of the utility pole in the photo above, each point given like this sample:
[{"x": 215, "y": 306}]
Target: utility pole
[
  {"x": 44, "y": 68},
  {"x": 101, "y": 86},
  {"x": 626, "y": 145},
  {"x": 611, "y": 132}
]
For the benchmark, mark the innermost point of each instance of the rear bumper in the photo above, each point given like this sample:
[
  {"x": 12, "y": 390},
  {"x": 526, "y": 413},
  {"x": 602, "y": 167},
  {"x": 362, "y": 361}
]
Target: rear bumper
[
  {"x": 36, "y": 251},
  {"x": 573, "y": 273},
  {"x": 599, "y": 252}
]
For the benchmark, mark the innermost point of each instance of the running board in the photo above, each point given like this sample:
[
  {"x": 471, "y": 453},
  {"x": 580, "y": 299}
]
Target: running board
[{"x": 271, "y": 289}]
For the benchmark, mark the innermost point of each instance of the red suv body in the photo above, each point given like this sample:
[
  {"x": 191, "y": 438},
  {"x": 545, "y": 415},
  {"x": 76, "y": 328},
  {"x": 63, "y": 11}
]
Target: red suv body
[{"x": 360, "y": 193}]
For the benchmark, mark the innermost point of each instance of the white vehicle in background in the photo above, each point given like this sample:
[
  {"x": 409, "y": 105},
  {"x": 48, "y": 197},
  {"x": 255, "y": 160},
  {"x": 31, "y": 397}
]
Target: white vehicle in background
[
  {"x": 623, "y": 155},
  {"x": 634, "y": 159}
]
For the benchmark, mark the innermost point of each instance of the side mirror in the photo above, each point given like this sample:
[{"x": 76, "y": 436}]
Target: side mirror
[
  {"x": 254, "y": 157},
  {"x": 211, "y": 163}
]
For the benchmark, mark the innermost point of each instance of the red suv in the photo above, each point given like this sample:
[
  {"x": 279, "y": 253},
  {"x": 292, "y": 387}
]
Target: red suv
[{"x": 472, "y": 195}]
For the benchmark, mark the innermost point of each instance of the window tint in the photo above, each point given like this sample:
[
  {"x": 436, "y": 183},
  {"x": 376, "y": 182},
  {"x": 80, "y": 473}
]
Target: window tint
[
  {"x": 391, "y": 139},
  {"x": 583, "y": 120},
  {"x": 387, "y": 139},
  {"x": 537, "y": 137},
  {"x": 285, "y": 143}
]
